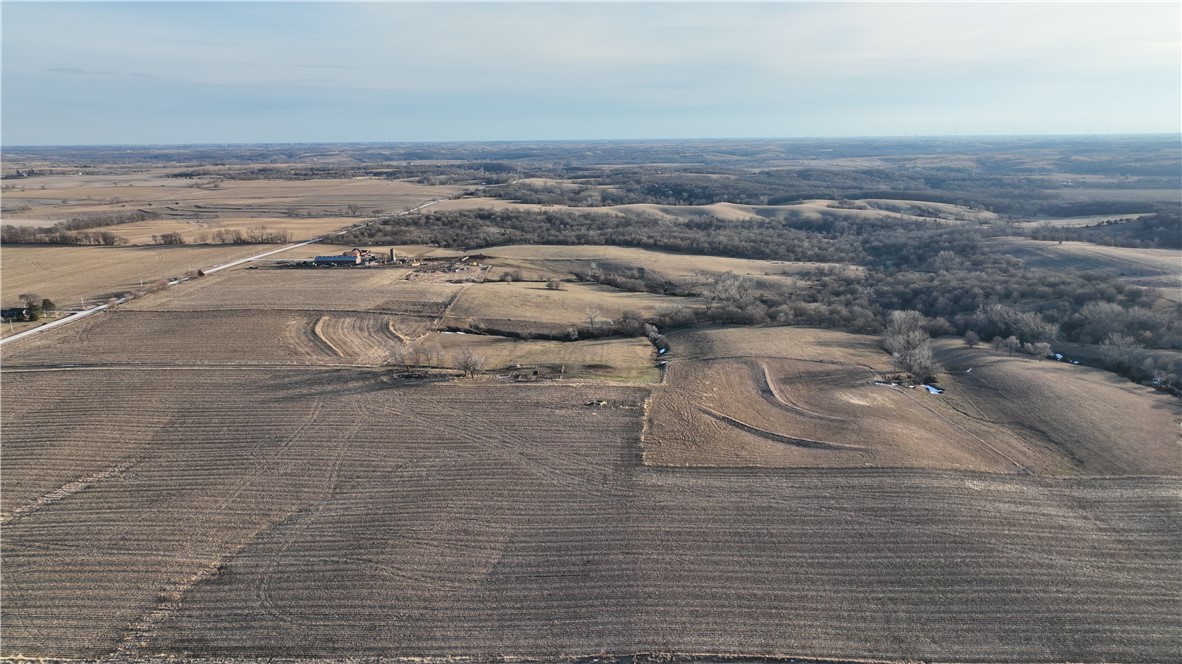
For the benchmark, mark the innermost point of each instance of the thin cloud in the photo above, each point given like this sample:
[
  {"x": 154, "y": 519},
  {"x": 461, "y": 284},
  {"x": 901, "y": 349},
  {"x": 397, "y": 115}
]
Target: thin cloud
[
  {"x": 74, "y": 71},
  {"x": 386, "y": 71}
]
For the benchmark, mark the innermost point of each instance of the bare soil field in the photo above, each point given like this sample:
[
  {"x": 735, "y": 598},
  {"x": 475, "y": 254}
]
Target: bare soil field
[
  {"x": 998, "y": 414},
  {"x": 232, "y": 337},
  {"x": 284, "y": 338},
  {"x": 65, "y": 274},
  {"x": 630, "y": 360},
  {"x": 791, "y": 343},
  {"x": 240, "y": 514},
  {"x": 1160, "y": 268}
]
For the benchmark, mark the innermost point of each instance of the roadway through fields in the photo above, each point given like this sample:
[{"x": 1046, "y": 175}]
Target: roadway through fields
[{"x": 209, "y": 270}]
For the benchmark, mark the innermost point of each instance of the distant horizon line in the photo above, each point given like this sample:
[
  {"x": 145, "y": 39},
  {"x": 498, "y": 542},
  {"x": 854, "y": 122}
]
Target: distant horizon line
[{"x": 596, "y": 140}]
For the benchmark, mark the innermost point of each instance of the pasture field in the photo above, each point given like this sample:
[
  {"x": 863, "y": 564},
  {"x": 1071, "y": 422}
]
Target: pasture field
[
  {"x": 241, "y": 514},
  {"x": 1159, "y": 268},
  {"x": 66, "y": 273}
]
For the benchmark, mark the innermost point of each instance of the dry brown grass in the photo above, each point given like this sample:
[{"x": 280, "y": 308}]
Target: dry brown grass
[
  {"x": 1072, "y": 222},
  {"x": 809, "y": 209},
  {"x": 495, "y": 303},
  {"x": 1158, "y": 268},
  {"x": 193, "y": 230},
  {"x": 676, "y": 267},
  {"x": 1074, "y": 420},
  {"x": 64, "y": 274}
]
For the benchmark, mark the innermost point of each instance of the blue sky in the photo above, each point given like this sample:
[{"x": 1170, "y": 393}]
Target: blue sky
[{"x": 183, "y": 72}]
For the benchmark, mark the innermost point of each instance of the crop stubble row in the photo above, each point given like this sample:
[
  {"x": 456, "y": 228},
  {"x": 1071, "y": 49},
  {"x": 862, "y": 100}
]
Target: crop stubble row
[{"x": 326, "y": 512}]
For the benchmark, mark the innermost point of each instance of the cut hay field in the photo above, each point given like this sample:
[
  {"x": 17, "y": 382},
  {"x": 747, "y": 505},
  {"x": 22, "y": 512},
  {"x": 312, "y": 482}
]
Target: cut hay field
[
  {"x": 243, "y": 514},
  {"x": 65, "y": 274}
]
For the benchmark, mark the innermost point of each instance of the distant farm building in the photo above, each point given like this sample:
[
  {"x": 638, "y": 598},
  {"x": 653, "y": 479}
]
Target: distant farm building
[
  {"x": 15, "y": 313},
  {"x": 344, "y": 259}
]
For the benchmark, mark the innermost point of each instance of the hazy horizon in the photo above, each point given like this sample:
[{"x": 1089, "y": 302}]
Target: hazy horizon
[
  {"x": 675, "y": 139},
  {"x": 188, "y": 73}
]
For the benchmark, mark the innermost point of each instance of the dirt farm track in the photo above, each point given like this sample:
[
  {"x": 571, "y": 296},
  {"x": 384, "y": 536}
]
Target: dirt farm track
[{"x": 322, "y": 512}]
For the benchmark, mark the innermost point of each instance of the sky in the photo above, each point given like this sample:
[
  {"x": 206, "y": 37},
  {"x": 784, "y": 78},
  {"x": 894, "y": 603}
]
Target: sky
[{"x": 208, "y": 72}]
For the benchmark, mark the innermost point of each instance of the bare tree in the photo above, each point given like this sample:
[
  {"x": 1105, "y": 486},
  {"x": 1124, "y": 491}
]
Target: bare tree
[
  {"x": 729, "y": 287},
  {"x": 1120, "y": 350},
  {"x": 1011, "y": 344},
  {"x": 468, "y": 362},
  {"x": 971, "y": 339},
  {"x": 907, "y": 340}
]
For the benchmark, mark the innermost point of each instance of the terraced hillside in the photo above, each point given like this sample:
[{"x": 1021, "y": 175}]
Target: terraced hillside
[{"x": 792, "y": 398}]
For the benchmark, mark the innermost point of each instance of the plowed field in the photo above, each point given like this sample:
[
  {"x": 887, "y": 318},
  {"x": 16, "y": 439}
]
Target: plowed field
[
  {"x": 325, "y": 289},
  {"x": 219, "y": 472},
  {"x": 325, "y": 513},
  {"x": 224, "y": 338}
]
